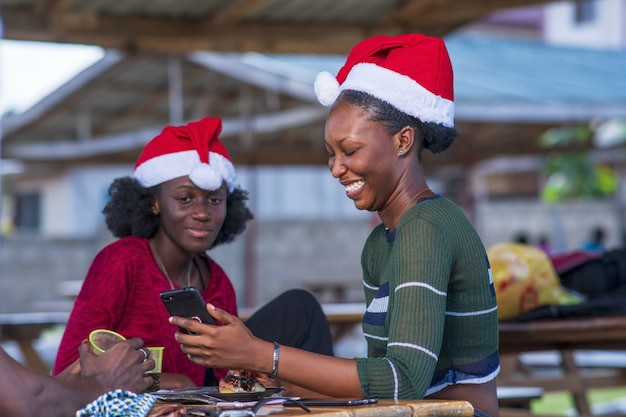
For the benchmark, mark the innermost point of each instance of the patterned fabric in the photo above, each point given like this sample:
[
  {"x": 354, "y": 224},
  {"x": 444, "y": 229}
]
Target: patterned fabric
[
  {"x": 119, "y": 403},
  {"x": 431, "y": 319},
  {"x": 122, "y": 293}
]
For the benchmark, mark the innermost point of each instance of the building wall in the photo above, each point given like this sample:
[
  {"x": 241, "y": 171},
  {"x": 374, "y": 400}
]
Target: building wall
[
  {"x": 606, "y": 30},
  {"x": 289, "y": 253},
  {"x": 566, "y": 224}
]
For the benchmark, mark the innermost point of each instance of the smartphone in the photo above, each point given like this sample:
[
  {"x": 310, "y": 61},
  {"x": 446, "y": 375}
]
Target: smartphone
[
  {"x": 187, "y": 302},
  {"x": 338, "y": 401}
]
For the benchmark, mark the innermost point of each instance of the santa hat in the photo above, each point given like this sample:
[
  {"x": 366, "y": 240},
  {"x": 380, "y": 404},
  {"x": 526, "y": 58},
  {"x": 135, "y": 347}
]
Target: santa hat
[
  {"x": 192, "y": 150},
  {"x": 411, "y": 72}
]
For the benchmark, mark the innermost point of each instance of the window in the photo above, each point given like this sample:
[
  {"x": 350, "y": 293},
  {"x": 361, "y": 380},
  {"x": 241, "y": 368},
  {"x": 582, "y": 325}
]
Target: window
[
  {"x": 28, "y": 212},
  {"x": 584, "y": 11}
]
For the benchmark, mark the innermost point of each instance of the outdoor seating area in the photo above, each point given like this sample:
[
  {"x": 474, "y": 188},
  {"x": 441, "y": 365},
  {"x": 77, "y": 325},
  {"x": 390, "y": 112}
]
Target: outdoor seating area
[
  {"x": 572, "y": 355},
  {"x": 568, "y": 355},
  {"x": 445, "y": 179}
]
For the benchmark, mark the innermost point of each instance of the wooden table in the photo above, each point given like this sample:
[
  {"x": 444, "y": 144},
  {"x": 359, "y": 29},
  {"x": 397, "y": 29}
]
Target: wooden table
[
  {"x": 565, "y": 336},
  {"x": 25, "y": 329},
  {"x": 383, "y": 408},
  {"x": 390, "y": 408}
]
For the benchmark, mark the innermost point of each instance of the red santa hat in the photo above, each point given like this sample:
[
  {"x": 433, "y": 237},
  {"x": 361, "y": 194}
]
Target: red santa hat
[
  {"x": 411, "y": 72},
  {"x": 192, "y": 150}
]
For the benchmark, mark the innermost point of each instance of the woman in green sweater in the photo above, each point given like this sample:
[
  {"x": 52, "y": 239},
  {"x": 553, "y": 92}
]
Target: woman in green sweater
[{"x": 431, "y": 320}]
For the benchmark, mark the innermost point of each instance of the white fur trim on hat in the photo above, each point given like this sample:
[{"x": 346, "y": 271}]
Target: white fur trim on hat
[
  {"x": 179, "y": 164},
  {"x": 326, "y": 88},
  {"x": 400, "y": 91}
]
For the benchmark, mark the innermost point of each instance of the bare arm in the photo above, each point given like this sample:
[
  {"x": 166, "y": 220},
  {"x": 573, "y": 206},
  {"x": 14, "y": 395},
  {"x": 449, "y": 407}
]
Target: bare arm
[
  {"x": 233, "y": 346},
  {"x": 27, "y": 392}
]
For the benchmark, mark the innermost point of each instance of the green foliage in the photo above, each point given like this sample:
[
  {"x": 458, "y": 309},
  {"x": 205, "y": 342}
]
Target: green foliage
[{"x": 573, "y": 175}]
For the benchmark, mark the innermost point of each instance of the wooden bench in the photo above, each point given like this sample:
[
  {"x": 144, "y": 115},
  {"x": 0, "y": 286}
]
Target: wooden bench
[{"x": 515, "y": 401}]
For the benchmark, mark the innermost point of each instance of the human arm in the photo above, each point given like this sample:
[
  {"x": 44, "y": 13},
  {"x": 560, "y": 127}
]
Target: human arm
[
  {"x": 233, "y": 346},
  {"x": 27, "y": 392},
  {"x": 405, "y": 284}
]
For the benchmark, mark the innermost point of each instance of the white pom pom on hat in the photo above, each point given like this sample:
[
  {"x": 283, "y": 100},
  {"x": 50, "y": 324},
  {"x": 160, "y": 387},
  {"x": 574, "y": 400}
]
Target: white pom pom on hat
[
  {"x": 411, "y": 72},
  {"x": 326, "y": 88},
  {"x": 192, "y": 150}
]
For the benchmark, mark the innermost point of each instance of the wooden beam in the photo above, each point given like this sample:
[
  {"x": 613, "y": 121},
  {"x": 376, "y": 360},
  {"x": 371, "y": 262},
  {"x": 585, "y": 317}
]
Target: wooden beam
[
  {"x": 70, "y": 149},
  {"x": 234, "y": 28}
]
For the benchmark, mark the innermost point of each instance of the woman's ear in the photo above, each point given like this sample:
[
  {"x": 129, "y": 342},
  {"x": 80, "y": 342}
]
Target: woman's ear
[
  {"x": 155, "y": 206},
  {"x": 405, "y": 139}
]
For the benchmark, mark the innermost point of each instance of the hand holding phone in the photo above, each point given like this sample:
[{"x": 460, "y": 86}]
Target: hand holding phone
[{"x": 187, "y": 302}]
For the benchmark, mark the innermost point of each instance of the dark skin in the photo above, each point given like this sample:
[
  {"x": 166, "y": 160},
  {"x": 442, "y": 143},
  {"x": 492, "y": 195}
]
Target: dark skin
[
  {"x": 189, "y": 222},
  {"x": 390, "y": 182},
  {"x": 26, "y": 392},
  {"x": 382, "y": 173},
  {"x": 359, "y": 151},
  {"x": 233, "y": 346}
]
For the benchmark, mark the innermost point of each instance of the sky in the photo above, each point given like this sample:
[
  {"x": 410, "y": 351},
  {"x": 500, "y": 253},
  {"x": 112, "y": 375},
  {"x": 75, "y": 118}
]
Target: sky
[{"x": 31, "y": 70}]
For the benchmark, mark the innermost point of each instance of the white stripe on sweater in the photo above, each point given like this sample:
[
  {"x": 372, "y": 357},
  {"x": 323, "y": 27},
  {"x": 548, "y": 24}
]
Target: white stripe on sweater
[
  {"x": 414, "y": 346},
  {"x": 395, "y": 380},
  {"x": 371, "y": 336},
  {"x": 371, "y": 287},
  {"x": 471, "y": 313},
  {"x": 378, "y": 305},
  {"x": 421, "y": 284}
]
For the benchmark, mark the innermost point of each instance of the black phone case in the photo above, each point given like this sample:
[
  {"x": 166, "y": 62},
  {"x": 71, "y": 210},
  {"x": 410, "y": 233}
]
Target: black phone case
[
  {"x": 186, "y": 302},
  {"x": 338, "y": 401}
]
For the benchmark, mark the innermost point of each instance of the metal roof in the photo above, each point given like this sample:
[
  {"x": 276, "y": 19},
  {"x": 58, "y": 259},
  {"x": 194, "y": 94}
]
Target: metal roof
[
  {"x": 281, "y": 26},
  {"x": 554, "y": 83},
  {"x": 507, "y": 93}
]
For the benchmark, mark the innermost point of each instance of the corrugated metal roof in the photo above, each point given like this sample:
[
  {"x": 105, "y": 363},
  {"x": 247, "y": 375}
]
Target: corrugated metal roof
[
  {"x": 545, "y": 80},
  {"x": 495, "y": 69},
  {"x": 504, "y": 88}
]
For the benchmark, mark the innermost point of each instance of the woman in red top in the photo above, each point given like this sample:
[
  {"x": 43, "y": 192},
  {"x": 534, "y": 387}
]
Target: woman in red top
[{"x": 181, "y": 202}]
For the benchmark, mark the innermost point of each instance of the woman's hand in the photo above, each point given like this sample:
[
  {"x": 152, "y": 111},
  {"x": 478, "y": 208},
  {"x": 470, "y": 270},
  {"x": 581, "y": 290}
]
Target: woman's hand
[{"x": 229, "y": 346}]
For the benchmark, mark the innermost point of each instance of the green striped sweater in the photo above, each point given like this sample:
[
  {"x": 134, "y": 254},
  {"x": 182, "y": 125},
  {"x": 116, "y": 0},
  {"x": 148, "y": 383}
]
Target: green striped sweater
[{"x": 431, "y": 319}]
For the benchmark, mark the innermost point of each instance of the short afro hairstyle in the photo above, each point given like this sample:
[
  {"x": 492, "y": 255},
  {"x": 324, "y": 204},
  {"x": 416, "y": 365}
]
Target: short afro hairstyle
[
  {"x": 433, "y": 136},
  {"x": 129, "y": 211}
]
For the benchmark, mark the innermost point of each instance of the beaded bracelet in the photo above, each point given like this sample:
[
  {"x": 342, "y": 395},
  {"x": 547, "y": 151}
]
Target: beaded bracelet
[{"x": 275, "y": 361}]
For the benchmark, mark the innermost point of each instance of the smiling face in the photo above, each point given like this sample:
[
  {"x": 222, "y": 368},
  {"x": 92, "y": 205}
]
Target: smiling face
[
  {"x": 190, "y": 217},
  {"x": 362, "y": 156}
]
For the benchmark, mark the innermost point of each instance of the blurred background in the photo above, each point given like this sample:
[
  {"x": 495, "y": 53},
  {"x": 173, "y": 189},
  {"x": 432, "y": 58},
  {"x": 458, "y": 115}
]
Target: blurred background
[{"x": 540, "y": 97}]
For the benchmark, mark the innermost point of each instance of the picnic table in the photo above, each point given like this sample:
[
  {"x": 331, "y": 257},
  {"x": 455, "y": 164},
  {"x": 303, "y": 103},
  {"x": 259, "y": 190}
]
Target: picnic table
[
  {"x": 565, "y": 338},
  {"x": 382, "y": 408},
  {"x": 25, "y": 329}
]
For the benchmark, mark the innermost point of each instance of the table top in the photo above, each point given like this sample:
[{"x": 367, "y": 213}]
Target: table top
[
  {"x": 28, "y": 326},
  {"x": 383, "y": 408},
  {"x": 572, "y": 333},
  {"x": 20, "y": 319},
  {"x": 391, "y": 408}
]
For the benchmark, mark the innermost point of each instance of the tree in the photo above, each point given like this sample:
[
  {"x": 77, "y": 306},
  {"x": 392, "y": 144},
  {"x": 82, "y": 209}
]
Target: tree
[{"x": 575, "y": 174}]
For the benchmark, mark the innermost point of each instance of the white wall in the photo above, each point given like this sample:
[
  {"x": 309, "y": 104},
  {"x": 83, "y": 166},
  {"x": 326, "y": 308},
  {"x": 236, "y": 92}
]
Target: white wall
[
  {"x": 567, "y": 224},
  {"x": 606, "y": 31},
  {"x": 88, "y": 186},
  {"x": 56, "y": 213}
]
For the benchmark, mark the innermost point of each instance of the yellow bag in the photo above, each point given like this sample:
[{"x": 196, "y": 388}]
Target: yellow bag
[{"x": 524, "y": 278}]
